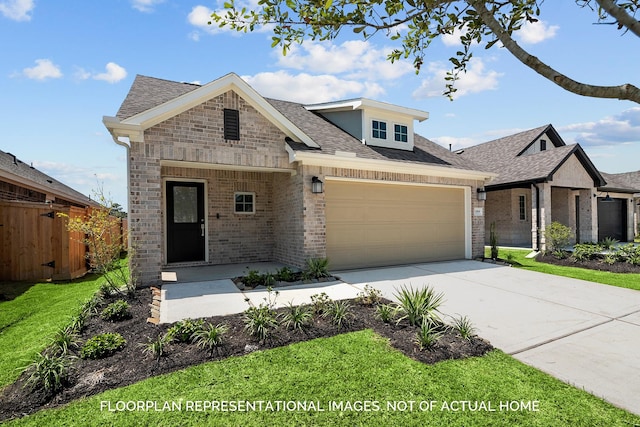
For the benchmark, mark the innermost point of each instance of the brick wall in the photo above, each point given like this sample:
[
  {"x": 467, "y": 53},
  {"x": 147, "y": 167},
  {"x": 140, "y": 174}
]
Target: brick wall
[
  {"x": 503, "y": 209},
  {"x": 13, "y": 192}
]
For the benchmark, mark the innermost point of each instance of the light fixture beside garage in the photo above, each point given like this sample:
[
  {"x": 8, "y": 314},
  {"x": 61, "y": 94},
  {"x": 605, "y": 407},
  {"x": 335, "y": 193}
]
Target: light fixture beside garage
[
  {"x": 482, "y": 194},
  {"x": 317, "y": 186}
]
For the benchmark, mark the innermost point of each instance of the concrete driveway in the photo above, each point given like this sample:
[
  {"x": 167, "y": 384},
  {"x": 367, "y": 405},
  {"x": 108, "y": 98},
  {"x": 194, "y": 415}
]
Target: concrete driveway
[{"x": 583, "y": 333}]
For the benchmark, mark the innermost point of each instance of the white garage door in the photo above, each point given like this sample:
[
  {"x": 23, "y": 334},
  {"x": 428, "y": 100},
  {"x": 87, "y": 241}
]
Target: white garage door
[{"x": 372, "y": 225}]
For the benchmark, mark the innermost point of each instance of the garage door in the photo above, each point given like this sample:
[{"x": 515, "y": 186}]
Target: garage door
[
  {"x": 372, "y": 225},
  {"x": 612, "y": 219}
]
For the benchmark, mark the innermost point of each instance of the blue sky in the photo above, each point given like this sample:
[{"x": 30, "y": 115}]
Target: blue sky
[{"x": 66, "y": 64}]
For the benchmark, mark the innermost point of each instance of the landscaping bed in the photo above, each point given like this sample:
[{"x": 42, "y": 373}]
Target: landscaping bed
[
  {"x": 591, "y": 264},
  {"x": 132, "y": 363}
]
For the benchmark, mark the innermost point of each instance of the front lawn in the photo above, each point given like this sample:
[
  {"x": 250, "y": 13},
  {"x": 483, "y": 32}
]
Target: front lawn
[
  {"x": 28, "y": 321},
  {"x": 623, "y": 280},
  {"x": 350, "y": 379}
]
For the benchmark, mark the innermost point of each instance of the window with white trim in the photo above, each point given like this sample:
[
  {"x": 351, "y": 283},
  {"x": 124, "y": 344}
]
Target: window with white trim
[
  {"x": 400, "y": 133},
  {"x": 244, "y": 203},
  {"x": 379, "y": 129},
  {"x": 522, "y": 207}
]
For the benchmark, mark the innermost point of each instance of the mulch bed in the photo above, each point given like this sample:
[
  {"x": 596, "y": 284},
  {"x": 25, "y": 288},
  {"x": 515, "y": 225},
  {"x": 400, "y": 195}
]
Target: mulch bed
[
  {"x": 130, "y": 365},
  {"x": 593, "y": 264}
]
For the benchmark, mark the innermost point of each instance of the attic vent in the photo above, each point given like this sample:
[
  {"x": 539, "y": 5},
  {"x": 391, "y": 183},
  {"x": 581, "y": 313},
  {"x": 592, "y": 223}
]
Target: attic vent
[{"x": 231, "y": 124}]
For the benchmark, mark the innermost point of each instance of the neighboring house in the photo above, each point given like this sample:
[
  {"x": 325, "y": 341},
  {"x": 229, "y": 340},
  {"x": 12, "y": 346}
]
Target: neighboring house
[
  {"x": 35, "y": 243},
  {"x": 542, "y": 180},
  {"x": 218, "y": 174},
  {"x": 628, "y": 180}
]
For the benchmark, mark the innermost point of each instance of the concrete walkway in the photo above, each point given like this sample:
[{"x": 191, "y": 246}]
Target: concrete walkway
[{"x": 583, "y": 333}]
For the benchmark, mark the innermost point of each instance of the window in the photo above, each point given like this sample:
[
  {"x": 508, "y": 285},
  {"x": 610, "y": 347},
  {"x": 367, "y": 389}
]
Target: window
[
  {"x": 379, "y": 129},
  {"x": 244, "y": 203},
  {"x": 231, "y": 124},
  {"x": 400, "y": 133},
  {"x": 543, "y": 145},
  {"x": 522, "y": 206}
]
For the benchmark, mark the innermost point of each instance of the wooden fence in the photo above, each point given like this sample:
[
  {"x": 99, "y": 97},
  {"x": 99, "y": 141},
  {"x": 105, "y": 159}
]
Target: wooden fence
[{"x": 35, "y": 243}]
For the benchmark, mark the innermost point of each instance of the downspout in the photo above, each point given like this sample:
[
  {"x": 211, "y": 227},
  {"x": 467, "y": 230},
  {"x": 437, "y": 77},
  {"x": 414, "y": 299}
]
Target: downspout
[
  {"x": 538, "y": 219},
  {"x": 128, "y": 148}
]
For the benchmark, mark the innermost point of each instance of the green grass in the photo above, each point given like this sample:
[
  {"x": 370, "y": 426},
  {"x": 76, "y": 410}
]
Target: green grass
[
  {"x": 623, "y": 280},
  {"x": 348, "y": 368},
  {"x": 28, "y": 321}
]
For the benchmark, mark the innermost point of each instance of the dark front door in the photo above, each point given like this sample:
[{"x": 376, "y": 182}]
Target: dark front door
[{"x": 185, "y": 221}]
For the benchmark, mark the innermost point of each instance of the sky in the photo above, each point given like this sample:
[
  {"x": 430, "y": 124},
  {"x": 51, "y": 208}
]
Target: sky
[{"x": 66, "y": 64}]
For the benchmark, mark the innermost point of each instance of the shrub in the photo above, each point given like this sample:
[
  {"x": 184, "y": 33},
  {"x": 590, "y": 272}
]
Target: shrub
[
  {"x": 48, "y": 371},
  {"x": 339, "y": 313},
  {"x": 64, "y": 340},
  {"x": 182, "y": 331},
  {"x": 386, "y": 312},
  {"x": 118, "y": 310},
  {"x": 369, "y": 296},
  {"x": 320, "y": 302},
  {"x": 419, "y": 304},
  {"x": 586, "y": 251},
  {"x": 261, "y": 321},
  {"x": 91, "y": 306},
  {"x": 252, "y": 279},
  {"x": 428, "y": 334},
  {"x": 102, "y": 345},
  {"x": 268, "y": 280},
  {"x": 77, "y": 322},
  {"x": 155, "y": 348},
  {"x": 316, "y": 268},
  {"x": 463, "y": 325},
  {"x": 285, "y": 274},
  {"x": 493, "y": 241},
  {"x": 609, "y": 259},
  {"x": 210, "y": 337},
  {"x": 609, "y": 243},
  {"x": 557, "y": 237},
  {"x": 297, "y": 316}
]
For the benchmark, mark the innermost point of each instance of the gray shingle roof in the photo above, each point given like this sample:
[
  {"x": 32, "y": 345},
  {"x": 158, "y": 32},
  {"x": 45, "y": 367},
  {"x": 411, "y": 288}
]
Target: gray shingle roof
[
  {"x": 33, "y": 178},
  {"x": 502, "y": 156},
  {"x": 623, "y": 182},
  {"x": 148, "y": 92}
]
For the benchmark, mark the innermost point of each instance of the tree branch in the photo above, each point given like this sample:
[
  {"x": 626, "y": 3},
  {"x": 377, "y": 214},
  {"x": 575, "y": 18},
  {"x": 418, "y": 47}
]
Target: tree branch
[
  {"x": 621, "y": 16},
  {"x": 624, "y": 92}
]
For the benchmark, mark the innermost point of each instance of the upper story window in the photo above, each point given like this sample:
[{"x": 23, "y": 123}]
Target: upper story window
[
  {"x": 400, "y": 133},
  {"x": 543, "y": 145},
  {"x": 231, "y": 124},
  {"x": 379, "y": 129}
]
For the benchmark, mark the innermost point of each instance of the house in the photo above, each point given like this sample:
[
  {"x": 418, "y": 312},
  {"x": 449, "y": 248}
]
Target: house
[
  {"x": 542, "y": 180},
  {"x": 219, "y": 174},
  {"x": 34, "y": 241}
]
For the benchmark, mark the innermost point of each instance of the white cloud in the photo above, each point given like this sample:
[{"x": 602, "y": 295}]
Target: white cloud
[
  {"x": 536, "y": 32},
  {"x": 476, "y": 79},
  {"x": 114, "y": 73},
  {"x": 145, "y": 5},
  {"x": 356, "y": 59},
  {"x": 81, "y": 74},
  {"x": 307, "y": 89},
  {"x": 200, "y": 16},
  {"x": 622, "y": 128},
  {"x": 17, "y": 10},
  {"x": 43, "y": 70}
]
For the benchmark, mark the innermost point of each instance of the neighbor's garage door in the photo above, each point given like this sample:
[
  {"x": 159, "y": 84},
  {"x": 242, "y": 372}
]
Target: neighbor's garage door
[
  {"x": 385, "y": 224},
  {"x": 612, "y": 219}
]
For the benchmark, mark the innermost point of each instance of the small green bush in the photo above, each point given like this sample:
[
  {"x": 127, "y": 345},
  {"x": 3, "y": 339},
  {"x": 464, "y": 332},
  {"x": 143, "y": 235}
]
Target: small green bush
[
  {"x": 320, "y": 302},
  {"x": 155, "y": 347},
  {"x": 386, "y": 312},
  {"x": 463, "y": 325},
  {"x": 586, "y": 251},
  {"x": 316, "y": 268},
  {"x": 285, "y": 274},
  {"x": 339, "y": 312},
  {"x": 252, "y": 279},
  {"x": 428, "y": 334},
  {"x": 369, "y": 296},
  {"x": 419, "y": 304},
  {"x": 297, "y": 316},
  {"x": 48, "y": 371},
  {"x": 557, "y": 237},
  {"x": 210, "y": 337},
  {"x": 102, "y": 346},
  {"x": 261, "y": 321},
  {"x": 64, "y": 340},
  {"x": 184, "y": 330},
  {"x": 609, "y": 243},
  {"x": 118, "y": 310}
]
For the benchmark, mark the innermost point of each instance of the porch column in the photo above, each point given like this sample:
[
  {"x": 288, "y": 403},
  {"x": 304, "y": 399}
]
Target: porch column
[{"x": 587, "y": 215}]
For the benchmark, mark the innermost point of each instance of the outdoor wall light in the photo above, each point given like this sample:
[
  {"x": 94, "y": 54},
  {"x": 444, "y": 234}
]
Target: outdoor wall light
[
  {"x": 317, "y": 186},
  {"x": 482, "y": 194}
]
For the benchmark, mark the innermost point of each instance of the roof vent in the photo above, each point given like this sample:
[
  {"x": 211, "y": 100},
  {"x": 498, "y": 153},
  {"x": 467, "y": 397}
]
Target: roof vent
[{"x": 50, "y": 181}]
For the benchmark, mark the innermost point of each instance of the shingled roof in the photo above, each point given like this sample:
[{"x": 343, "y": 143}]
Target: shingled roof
[
  {"x": 149, "y": 92},
  {"x": 628, "y": 182},
  {"x": 504, "y": 157},
  {"x": 14, "y": 170}
]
